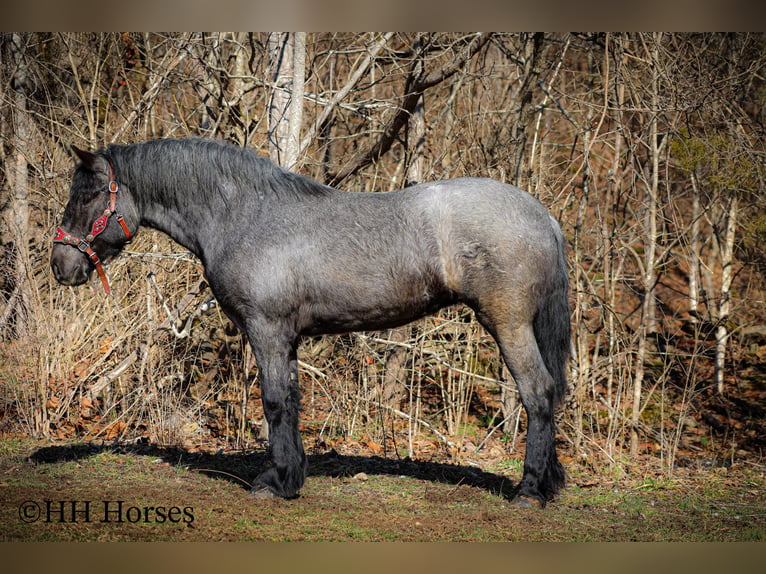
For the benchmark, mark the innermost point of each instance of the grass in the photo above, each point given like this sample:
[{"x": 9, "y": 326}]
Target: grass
[{"x": 384, "y": 501}]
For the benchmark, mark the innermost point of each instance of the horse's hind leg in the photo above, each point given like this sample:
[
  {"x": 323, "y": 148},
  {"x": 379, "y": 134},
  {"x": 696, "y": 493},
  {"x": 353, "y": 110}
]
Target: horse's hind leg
[
  {"x": 278, "y": 369},
  {"x": 543, "y": 474}
]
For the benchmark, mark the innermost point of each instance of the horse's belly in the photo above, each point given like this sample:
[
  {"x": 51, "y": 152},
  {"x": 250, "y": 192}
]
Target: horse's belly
[{"x": 341, "y": 314}]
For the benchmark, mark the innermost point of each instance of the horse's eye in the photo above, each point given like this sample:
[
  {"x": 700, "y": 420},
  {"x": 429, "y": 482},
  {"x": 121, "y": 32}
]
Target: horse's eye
[{"x": 89, "y": 196}]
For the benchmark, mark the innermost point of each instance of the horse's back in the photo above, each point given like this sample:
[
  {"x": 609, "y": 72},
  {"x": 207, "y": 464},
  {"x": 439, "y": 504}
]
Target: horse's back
[
  {"x": 491, "y": 235},
  {"x": 472, "y": 201}
]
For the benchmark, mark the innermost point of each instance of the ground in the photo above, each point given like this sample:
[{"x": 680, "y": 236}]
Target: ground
[{"x": 112, "y": 492}]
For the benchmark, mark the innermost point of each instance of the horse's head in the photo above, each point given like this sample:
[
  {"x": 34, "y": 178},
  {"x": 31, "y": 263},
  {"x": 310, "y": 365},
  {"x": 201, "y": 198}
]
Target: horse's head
[{"x": 91, "y": 231}]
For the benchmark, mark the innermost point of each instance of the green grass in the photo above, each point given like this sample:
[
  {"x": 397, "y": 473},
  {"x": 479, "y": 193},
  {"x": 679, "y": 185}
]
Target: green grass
[{"x": 339, "y": 503}]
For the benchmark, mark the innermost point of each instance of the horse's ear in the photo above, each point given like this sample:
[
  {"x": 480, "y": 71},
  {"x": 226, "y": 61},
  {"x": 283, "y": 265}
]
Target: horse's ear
[
  {"x": 91, "y": 160},
  {"x": 86, "y": 157}
]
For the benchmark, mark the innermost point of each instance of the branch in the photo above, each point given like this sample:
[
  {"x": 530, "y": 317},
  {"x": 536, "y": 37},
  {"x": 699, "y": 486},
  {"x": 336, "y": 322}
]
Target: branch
[
  {"x": 10, "y": 306},
  {"x": 154, "y": 90},
  {"x": 170, "y": 323},
  {"x": 343, "y": 92},
  {"x": 419, "y": 421},
  {"x": 143, "y": 347},
  {"x": 410, "y": 100},
  {"x": 315, "y": 371}
]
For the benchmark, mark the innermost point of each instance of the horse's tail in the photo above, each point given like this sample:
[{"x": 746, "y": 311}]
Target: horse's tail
[{"x": 552, "y": 323}]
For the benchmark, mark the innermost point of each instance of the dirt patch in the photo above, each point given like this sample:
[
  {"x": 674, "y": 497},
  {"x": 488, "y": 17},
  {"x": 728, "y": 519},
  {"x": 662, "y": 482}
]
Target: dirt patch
[{"x": 92, "y": 492}]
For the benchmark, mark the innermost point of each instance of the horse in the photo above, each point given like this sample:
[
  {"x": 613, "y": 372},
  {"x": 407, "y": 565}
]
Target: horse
[{"x": 287, "y": 257}]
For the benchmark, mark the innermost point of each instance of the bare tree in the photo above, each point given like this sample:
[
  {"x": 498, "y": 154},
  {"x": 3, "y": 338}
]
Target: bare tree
[
  {"x": 394, "y": 377},
  {"x": 287, "y": 68},
  {"x": 412, "y": 93},
  {"x": 647, "y": 322},
  {"x": 416, "y": 126},
  {"x": 354, "y": 77},
  {"x": 648, "y": 149},
  {"x": 16, "y": 215}
]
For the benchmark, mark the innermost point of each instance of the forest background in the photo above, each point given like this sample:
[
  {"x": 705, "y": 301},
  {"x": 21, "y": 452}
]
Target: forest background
[{"x": 647, "y": 147}]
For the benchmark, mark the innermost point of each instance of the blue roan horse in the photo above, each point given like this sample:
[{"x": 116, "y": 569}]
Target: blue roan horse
[{"x": 286, "y": 256}]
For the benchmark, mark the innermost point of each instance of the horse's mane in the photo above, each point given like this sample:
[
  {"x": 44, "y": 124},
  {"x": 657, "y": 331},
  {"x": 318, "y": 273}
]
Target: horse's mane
[{"x": 203, "y": 166}]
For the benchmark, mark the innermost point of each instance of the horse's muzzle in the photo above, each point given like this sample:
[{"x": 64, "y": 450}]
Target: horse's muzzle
[{"x": 69, "y": 265}]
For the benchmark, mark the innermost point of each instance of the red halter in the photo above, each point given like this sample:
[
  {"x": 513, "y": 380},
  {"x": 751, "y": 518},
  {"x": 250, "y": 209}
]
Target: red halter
[{"x": 98, "y": 227}]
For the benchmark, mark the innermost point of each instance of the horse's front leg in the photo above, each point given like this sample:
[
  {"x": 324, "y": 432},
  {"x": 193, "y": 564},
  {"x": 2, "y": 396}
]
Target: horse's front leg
[{"x": 278, "y": 369}]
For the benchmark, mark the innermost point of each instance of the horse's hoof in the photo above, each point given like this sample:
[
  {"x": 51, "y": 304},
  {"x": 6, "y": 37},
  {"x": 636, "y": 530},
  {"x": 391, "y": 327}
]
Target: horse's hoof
[
  {"x": 262, "y": 492},
  {"x": 523, "y": 501}
]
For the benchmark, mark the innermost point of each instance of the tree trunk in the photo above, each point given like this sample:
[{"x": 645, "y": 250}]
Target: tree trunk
[
  {"x": 17, "y": 217},
  {"x": 724, "y": 308},
  {"x": 287, "y": 69},
  {"x": 395, "y": 373},
  {"x": 532, "y": 65},
  {"x": 695, "y": 252},
  {"x": 581, "y": 334},
  {"x": 241, "y": 100},
  {"x": 295, "y": 109},
  {"x": 648, "y": 307},
  {"x": 416, "y": 127}
]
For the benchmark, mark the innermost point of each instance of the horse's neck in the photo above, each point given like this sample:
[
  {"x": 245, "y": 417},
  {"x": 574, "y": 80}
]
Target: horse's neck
[
  {"x": 161, "y": 206},
  {"x": 176, "y": 223}
]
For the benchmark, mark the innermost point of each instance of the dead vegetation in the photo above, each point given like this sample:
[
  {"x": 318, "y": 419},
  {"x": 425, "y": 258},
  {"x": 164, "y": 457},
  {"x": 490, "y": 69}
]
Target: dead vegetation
[{"x": 647, "y": 147}]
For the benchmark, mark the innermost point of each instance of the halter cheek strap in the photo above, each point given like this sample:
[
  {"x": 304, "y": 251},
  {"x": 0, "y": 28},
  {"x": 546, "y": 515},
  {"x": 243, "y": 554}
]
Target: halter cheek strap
[{"x": 97, "y": 228}]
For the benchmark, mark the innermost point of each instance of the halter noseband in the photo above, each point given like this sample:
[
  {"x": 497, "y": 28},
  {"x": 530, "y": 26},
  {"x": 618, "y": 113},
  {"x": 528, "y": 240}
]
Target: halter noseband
[{"x": 98, "y": 227}]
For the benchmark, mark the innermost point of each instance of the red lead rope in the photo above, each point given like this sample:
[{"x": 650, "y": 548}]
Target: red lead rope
[{"x": 98, "y": 227}]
